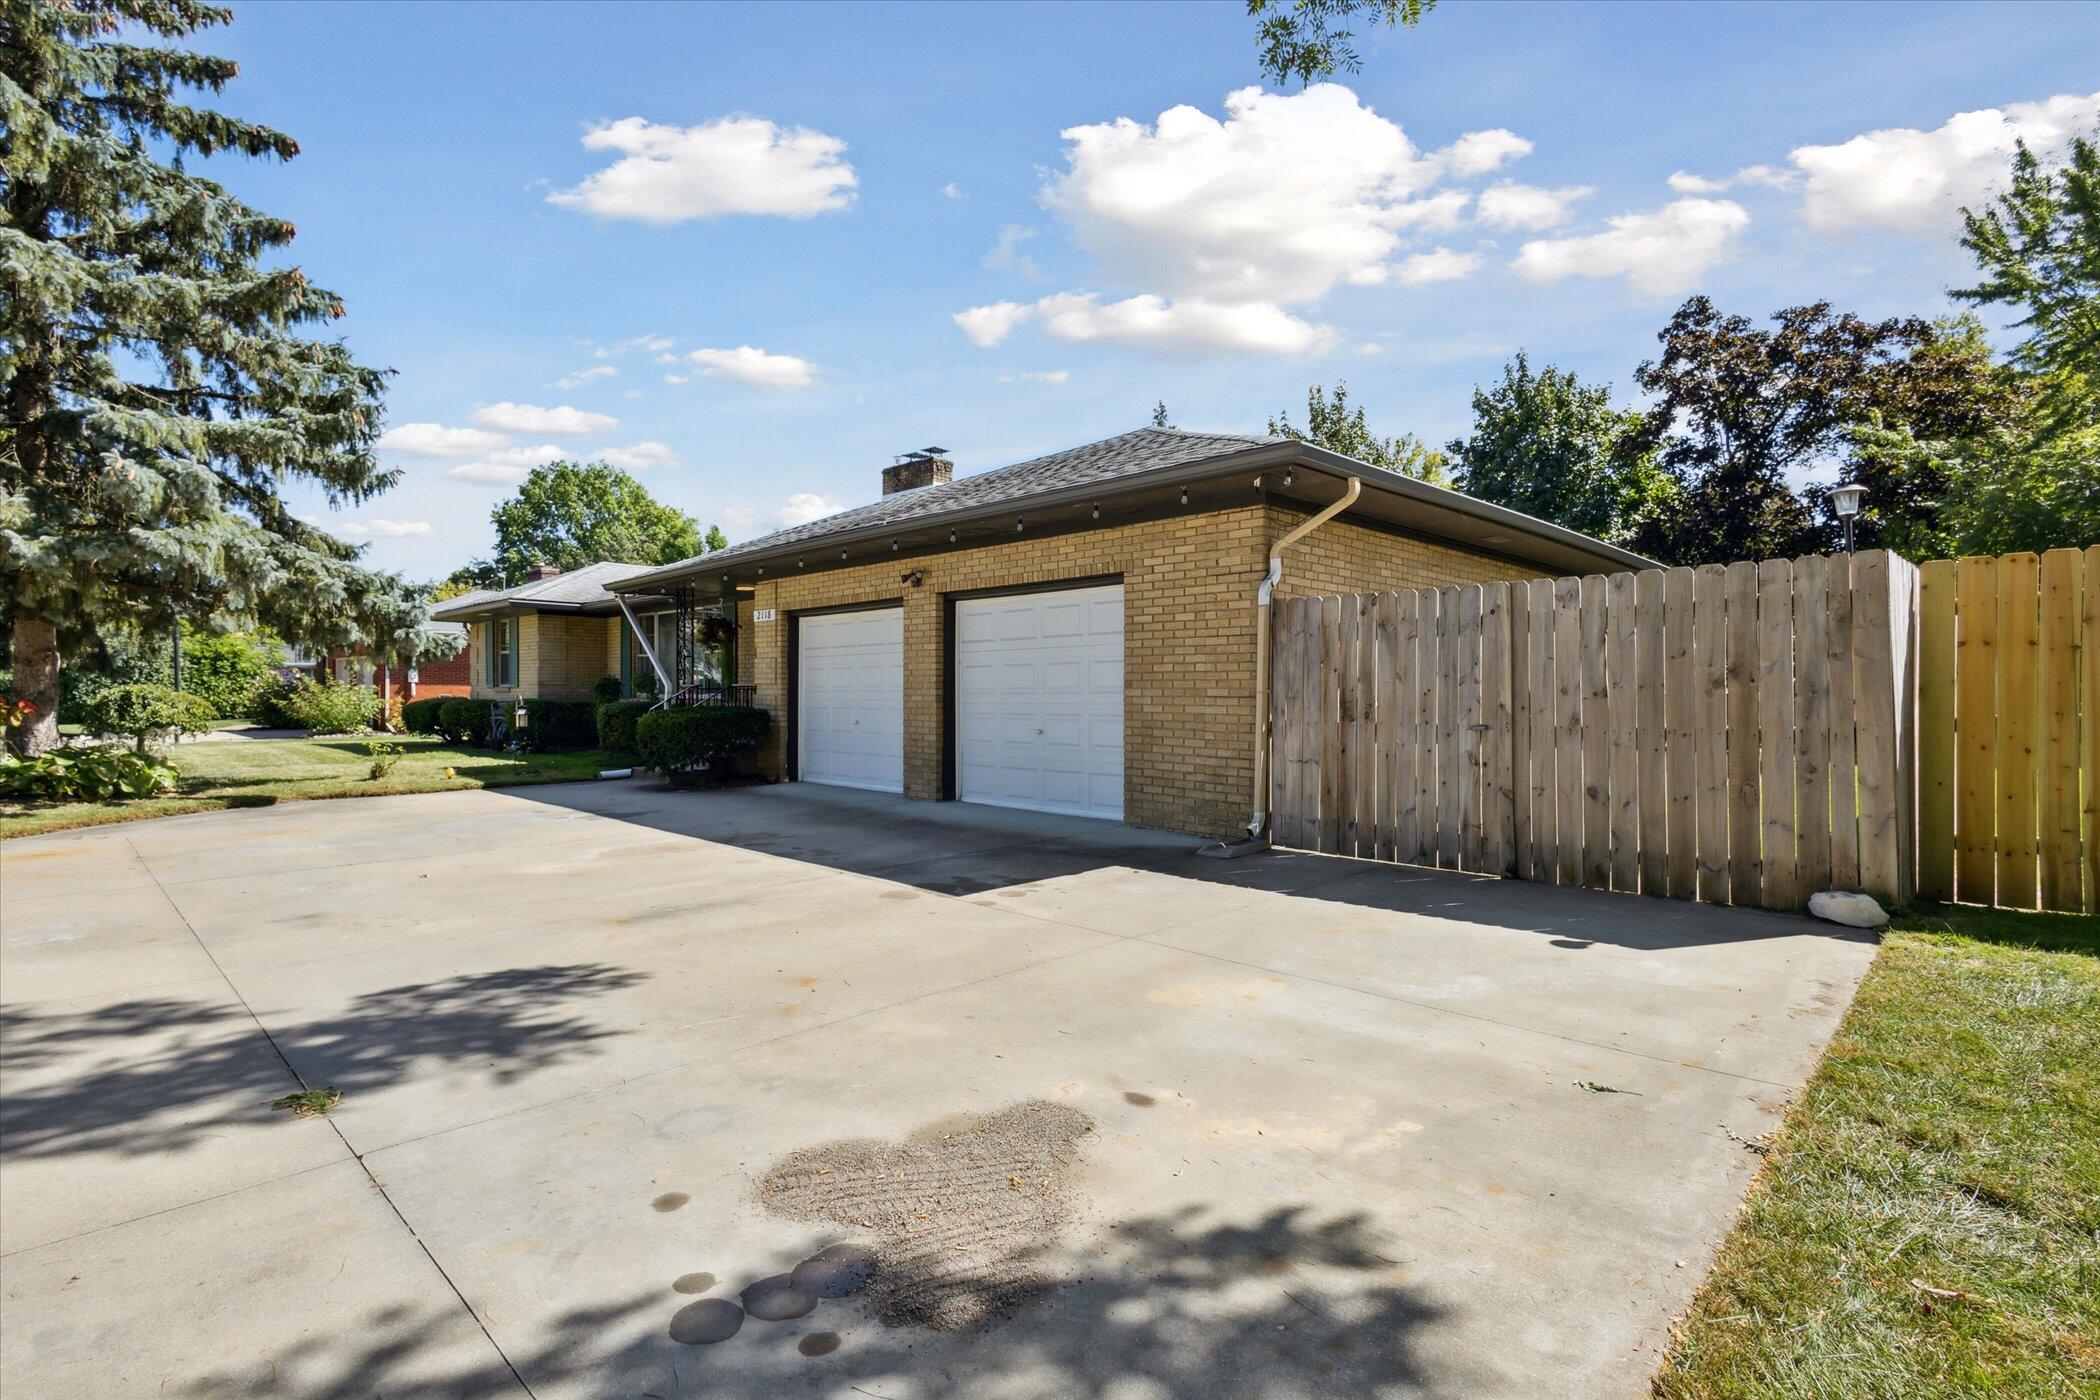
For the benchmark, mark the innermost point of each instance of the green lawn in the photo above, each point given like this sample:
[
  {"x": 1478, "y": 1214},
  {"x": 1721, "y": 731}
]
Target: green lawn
[
  {"x": 1928, "y": 1217},
  {"x": 252, "y": 773}
]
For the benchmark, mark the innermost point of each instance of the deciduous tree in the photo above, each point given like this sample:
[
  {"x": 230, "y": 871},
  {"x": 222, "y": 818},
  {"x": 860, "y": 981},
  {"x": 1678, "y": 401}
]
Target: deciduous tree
[
  {"x": 1333, "y": 423},
  {"x": 1303, "y": 39},
  {"x": 570, "y": 514}
]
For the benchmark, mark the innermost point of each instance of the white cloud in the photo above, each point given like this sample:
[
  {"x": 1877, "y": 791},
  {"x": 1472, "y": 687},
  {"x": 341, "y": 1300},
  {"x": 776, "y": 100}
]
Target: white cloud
[
  {"x": 805, "y": 506},
  {"x": 1037, "y": 376},
  {"x": 377, "y": 529},
  {"x": 437, "y": 440},
  {"x": 639, "y": 456},
  {"x": 1684, "y": 182},
  {"x": 1478, "y": 152},
  {"x": 560, "y": 421},
  {"x": 953, "y": 191},
  {"x": 1279, "y": 202},
  {"x": 1769, "y": 177},
  {"x": 986, "y": 326},
  {"x": 1437, "y": 265},
  {"x": 584, "y": 376},
  {"x": 734, "y": 165},
  {"x": 653, "y": 343},
  {"x": 1511, "y": 205},
  {"x": 1007, "y": 254},
  {"x": 749, "y": 365},
  {"x": 1191, "y": 327},
  {"x": 508, "y": 465},
  {"x": 1910, "y": 181},
  {"x": 1660, "y": 253},
  {"x": 1437, "y": 213}
]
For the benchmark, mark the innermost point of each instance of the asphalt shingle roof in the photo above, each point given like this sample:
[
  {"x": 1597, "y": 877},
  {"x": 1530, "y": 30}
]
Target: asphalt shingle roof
[
  {"x": 577, "y": 588},
  {"x": 1076, "y": 466}
]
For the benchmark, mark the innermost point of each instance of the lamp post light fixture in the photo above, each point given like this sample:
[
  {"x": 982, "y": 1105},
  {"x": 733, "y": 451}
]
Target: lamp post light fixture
[{"x": 1845, "y": 500}]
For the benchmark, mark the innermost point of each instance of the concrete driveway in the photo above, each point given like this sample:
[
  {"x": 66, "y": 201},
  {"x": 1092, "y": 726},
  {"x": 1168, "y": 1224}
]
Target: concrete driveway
[{"x": 1141, "y": 1125}]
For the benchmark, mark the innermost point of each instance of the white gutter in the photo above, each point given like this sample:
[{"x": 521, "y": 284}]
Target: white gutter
[
  {"x": 647, "y": 650},
  {"x": 1262, "y": 596}
]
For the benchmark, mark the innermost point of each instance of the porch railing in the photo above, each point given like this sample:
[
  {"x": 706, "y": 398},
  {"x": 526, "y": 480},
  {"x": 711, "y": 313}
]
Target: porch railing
[{"x": 710, "y": 693}]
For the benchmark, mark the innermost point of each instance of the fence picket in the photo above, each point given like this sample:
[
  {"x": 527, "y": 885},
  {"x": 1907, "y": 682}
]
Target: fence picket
[
  {"x": 1775, "y": 723},
  {"x": 1652, "y": 733},
  {"x": 1746, "y": 871},
  {"x": 2057, "y": 790},
  {"x": 2089, "y": 723},
  {"x": 1432, "y": 665},
  {"x": 1711, "y": 629},
  {"x": 1844, "y": 727},
  {"x": 1936, "y": 729},
  {"x": 1326, "y": 703},
  {"x": 1450, "y": 790},
  {"x": 1520, "y": 786},
  {"x": 2019, "y": 665},
  {"x": 1878, "y": 655},
  {"x": 1681, "y": 761},
  {"x": 1407, "y": 728},
  {"x": 1596, "y": 733},
  {"x": 1385, "y": 670},
  {"x": 1623, "y": 685},
  {"x": 1498, "y": 759},
  {"x": 1472, "y": 806},
  {"x": 1976, "y": 729},
  {"x": 1538, "y": 705},
  {"x": 1567, "y": 729},
  {"x": 1812, "y": 721}
]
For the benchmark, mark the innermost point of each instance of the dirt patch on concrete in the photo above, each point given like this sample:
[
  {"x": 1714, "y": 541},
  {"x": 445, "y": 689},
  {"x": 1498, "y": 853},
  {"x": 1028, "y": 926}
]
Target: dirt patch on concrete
[{"x": 960, "y": 1213}]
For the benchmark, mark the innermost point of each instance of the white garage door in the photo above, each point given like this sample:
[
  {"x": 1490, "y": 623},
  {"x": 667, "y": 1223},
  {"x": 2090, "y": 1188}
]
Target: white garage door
[
  {"x": 849, "y": 686},
  {"x": 1039, "y": 701}
]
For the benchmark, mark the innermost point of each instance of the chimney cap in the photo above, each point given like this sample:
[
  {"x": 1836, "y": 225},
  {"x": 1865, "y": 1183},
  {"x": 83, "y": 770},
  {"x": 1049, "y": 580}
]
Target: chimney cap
[{"x": 923, "y": 454}]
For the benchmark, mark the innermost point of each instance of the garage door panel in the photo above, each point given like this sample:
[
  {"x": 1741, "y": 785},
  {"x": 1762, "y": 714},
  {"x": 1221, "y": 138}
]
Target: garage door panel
[
  {"x": 1040, "y": 701},
  {"x": 850, "y": 689}
]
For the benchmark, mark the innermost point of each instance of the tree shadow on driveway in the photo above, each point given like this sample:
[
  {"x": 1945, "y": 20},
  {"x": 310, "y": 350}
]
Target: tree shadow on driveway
[{"x": 154, "y": 1074}]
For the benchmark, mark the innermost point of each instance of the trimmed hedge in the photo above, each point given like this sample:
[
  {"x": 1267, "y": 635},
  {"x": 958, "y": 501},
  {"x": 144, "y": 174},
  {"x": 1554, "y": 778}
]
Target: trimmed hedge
[
  {"x": 464, "y": 721},
  {"x": 421, "y": 716},
  {"x": 678, "y": 741},
  {"x": 607, "y": 689},
  {"x": 148, "y": 713},
  {"x": 616, "y": 721},
  {"x": 552, "y": 726}
]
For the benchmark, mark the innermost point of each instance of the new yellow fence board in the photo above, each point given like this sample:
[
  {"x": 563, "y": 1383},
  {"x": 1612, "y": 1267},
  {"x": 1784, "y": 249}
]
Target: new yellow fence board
[
  {"x": 1976, "y": 729},
  {"x": 2057, "y": 776},
  {"x": 2019, "y": 684}
]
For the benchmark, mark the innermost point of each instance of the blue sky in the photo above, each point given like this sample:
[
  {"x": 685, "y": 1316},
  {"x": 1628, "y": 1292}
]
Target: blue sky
[{"x": 763, "y": 250}]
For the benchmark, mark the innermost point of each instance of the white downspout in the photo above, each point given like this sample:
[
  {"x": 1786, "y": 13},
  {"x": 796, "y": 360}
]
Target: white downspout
[
  {"x": 1259, "y": 823},
  {"x": 657, "y": 666}
]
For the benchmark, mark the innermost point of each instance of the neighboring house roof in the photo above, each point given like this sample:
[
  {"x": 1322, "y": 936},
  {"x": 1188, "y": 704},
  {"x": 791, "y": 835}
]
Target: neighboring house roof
[
  {"x": 578, "y": 590},
  {"x": 1152, "y": 464}
]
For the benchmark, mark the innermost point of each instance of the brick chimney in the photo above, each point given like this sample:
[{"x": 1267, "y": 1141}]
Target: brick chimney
[
  {"x": 926, "y": 467},
  {"x": 535, "y": 572}
]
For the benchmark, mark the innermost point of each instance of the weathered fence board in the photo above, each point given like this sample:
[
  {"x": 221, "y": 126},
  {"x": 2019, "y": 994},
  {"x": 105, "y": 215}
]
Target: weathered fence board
[
  {"x": 1936, "y": 729},
  {"x": 1681, "y": 743}
]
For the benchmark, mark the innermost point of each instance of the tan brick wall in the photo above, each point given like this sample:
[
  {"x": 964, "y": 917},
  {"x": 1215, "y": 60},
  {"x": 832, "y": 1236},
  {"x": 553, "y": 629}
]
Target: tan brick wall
[
  {"x": 559, "y": 658},
  {"x": 1188, "y": 676}
]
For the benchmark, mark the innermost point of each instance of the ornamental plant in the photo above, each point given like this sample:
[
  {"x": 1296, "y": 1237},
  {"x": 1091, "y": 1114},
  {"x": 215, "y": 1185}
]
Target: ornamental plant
[{"x": 148, "y": 714}]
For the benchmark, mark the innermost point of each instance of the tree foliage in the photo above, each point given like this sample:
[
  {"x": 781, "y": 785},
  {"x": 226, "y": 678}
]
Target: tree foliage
[
  {"x": 1550, "y": 446},
  {"x": 1332, "y": 422},
  {"x": 1303, "y": 39},
  {"x": 570, "y": 514},
  {"x": 160, "y": 386}
]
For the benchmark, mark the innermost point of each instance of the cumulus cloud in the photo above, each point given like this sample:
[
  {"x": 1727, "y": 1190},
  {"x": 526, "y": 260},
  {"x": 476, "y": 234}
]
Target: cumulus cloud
[
  {"x": 805, "y": 506},
  {"x": 639, "y": 456},
  {"x": 1660, "y": 253},
  {"x": 1009, "y": 253},
  {"x": 1437, "y": 265},
  {"x": 1191, "y": 327},
  {"x": 377, "y": 529},
  {"x": 585, "y": 376},
  {"x": 437, "y": 440},
  {"x": 734, "y": 165},
  {"x": 559, "y": 421},
  {"x": 1511, "y": 205},
  {"x": 953, "y": 191},
  {"x": 1478, "y": 152},
  {"x": 1909, "y": 181},
  {"x": 748, "y": 364},
  {"x": 507, "y": 466},
  {"x": 986, "y": 326}
]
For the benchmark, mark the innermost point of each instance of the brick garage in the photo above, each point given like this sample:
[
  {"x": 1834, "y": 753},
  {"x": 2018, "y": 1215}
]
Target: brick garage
[{"x": 1184, "y": 522}]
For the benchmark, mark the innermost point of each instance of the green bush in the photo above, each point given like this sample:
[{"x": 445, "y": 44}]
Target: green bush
[
  {"x": 607, "y": 689},
  {"x": 465, "y": 721},
  {"x": 706, "y": 736},
  {"x": 421, "y": 716},
  {"x": 268, "y": 706},
  {"x": 226, "y": 670},
  {"x": 100, "y": 774},
  {"x": 321, "y": 708},
  {"x": 552, "y": 726},
  {"x": 126, "y": 663},
  {"x": 616, "y": 724},
  {"x": 147, "y": 713}
]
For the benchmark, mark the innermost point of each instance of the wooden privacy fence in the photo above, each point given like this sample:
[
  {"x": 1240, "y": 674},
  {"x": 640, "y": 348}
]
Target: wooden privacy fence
[
  {"x": 2009, "y": 730},
  {"x": 1733, "y": 733}
]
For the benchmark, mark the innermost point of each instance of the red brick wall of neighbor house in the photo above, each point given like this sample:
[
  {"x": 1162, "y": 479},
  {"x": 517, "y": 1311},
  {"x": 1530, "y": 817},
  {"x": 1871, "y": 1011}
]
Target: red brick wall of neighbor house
[{"x": 451, "y": 676}]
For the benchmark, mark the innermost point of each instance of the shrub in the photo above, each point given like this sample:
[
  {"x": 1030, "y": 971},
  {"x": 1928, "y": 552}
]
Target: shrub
[
  {"x": 385, "y": 754},
  {"x": 332, "y": 709},
  {"x": 607, "y": 689},
  {"x": 147, "y": 713},
  {"x": 124, "y": 662},
  {"x": 465, "y": 721},
  {"x": 555, "y": 725},
  {"x": 73, "y": 774},
  {"x": 645, "y": 683},
  {"x": 707, "y": 736},
  {"x": 270, "y": 705},
  {"x": 421, "y": 716},
  {"x": 226, "y": 670},
  {"x": 616, "y": 724}
]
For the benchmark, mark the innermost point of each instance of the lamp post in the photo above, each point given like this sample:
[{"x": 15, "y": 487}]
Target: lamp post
[{"x": 1845, "y": 500}]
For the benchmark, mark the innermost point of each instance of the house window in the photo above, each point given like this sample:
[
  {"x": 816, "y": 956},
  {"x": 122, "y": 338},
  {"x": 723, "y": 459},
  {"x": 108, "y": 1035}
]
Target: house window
[
  {"x": 503, "y": 658},
  {"x": 661, "y": 630}
]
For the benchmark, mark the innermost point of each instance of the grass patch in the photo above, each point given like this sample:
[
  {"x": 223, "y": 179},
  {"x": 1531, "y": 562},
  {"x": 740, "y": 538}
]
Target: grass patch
[
  {"x": 256, "y": 773},
  {"x": 1928, "y": 1218},
  {"x": 309, "y": 1103}
]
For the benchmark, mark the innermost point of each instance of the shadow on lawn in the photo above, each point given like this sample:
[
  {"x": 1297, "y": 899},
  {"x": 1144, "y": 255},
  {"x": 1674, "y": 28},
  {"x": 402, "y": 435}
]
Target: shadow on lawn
[
  {"x": 146, "y": 1076},
  {"x": 1178, "y": 1303}
]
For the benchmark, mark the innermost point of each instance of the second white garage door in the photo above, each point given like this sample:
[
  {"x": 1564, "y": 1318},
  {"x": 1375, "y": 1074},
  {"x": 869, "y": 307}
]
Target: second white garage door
[
  {"x": 1039, "y": 701},
  {"x": 849, "y": 685}
]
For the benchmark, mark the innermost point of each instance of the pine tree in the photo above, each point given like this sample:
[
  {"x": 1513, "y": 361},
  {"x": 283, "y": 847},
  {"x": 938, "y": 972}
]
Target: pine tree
[{"x": 158, "y": 395}]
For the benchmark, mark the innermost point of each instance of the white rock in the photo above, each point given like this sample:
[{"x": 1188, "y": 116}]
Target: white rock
[{"x": 1851, "y": 910}]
